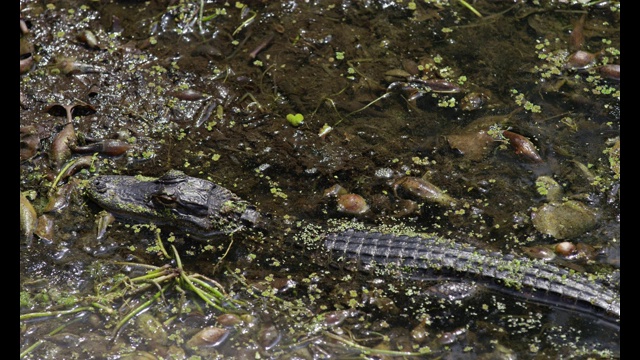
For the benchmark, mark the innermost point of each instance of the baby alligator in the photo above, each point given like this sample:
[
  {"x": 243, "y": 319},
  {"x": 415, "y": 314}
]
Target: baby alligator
[{"x": 202, "y": 208}]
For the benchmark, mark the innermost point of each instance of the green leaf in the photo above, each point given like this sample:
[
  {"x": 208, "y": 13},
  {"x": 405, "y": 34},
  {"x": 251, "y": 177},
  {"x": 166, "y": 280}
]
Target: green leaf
[{"x": 296, "y": 119}]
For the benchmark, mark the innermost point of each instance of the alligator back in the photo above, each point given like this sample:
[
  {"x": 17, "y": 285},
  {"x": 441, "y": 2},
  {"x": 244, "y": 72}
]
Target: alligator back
[{"x": 420, "y": 255}]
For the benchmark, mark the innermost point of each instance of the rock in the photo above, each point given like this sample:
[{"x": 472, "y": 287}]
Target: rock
[{"x": 564, "y": 220}]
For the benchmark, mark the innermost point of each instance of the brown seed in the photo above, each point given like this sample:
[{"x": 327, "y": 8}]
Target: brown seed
[
  {"x": 565, "y": 248},
  {"x": 88, "y": 38},
  {"x": 70, "y": 66},
  {"x": 26, "y": 63},
  {"x": 188, "y": 95},
  {"x": 278, "y": 28},
  {"x": 420, "y": 188},
  {"x": 109, "y": 147},
  {"x": 522, "y": 146},
  {"x": 611, "y": 71},
  {"x": 396, "y": 75},
  {"x": 580, "y": 60},
  {"x": 352, "y": 204},
  {"x": 24, "y": 28},
  {"x": 229, "y": 319},
  {"x": 103, "y": 220},
  {"x": 60, "y": 150},
  {"x": 539, "y": 252},
  {"x": 28, "y": 219},
  {"x": 442, "y": 86},
  {"x": 208, "y": 337}
]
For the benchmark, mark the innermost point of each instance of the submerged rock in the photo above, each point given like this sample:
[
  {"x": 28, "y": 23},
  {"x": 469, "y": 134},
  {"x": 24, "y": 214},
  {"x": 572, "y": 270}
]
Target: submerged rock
[{"x": 564, "y": 220}]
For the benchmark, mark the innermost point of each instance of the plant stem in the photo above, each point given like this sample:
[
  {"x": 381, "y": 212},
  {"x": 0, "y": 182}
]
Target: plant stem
[
  {"x": 40, "y": 342},
  {"x": 468, "y": 6},
  {"x": 137, "y": 310},
  {"x": 54, "y": 313}
]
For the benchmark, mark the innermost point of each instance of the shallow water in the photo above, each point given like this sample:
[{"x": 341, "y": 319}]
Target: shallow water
[{"x": 386, "y": 90}]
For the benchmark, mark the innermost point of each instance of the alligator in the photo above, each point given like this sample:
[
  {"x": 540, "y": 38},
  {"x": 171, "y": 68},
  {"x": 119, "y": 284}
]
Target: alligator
[{"x": 203, "y": 208}]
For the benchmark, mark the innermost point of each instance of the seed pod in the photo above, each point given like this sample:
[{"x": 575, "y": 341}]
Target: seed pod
[
  {"x": 188, "y": 95},
  {"x": 442, "y": 86},
  {"x": 611, "y": 71},
  {"x": 580, "y": 60},
  {"x": 352, "y": 204},
  {"x": 26, "y": 63},
  {"x": 208, "y": 337},
  {"x": 24, "y": 28},
  {"x": 60, "y": 150},
  {"x": 70, "y": 66},
  {"x": 109, "y": 147},
  {"x": 522, "y": 146},
  {"x": 565, "y": 249},
  {"x": 419, "y": 188},
  {"x": 88, "y": 38},
  {"x": 229, "y": 320},
  {"x": 28, "y": 220},
  {"x": 103, "y": 220},
  {"x": 540, "y": 252}
]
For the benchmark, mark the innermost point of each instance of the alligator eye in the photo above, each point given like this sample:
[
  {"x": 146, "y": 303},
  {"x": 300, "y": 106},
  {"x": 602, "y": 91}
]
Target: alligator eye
[
  {"x": 165, "y": 200},
  {"x": 99, "y": 185}
]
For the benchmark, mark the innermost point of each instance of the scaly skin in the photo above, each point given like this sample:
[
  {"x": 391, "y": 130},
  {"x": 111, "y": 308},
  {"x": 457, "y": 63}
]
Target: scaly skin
[
  {"x": 435, "y": 254},
  {"x": 202, "y": 208}
]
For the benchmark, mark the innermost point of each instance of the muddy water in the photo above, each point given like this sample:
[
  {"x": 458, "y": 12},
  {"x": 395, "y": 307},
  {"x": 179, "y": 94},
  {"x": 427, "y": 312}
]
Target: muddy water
[{"x": 383, "y": 90}]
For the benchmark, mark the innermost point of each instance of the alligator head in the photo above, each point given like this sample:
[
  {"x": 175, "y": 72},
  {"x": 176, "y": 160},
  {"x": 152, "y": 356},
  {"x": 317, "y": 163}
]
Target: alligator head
[{"x": 192, "y": 205}]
